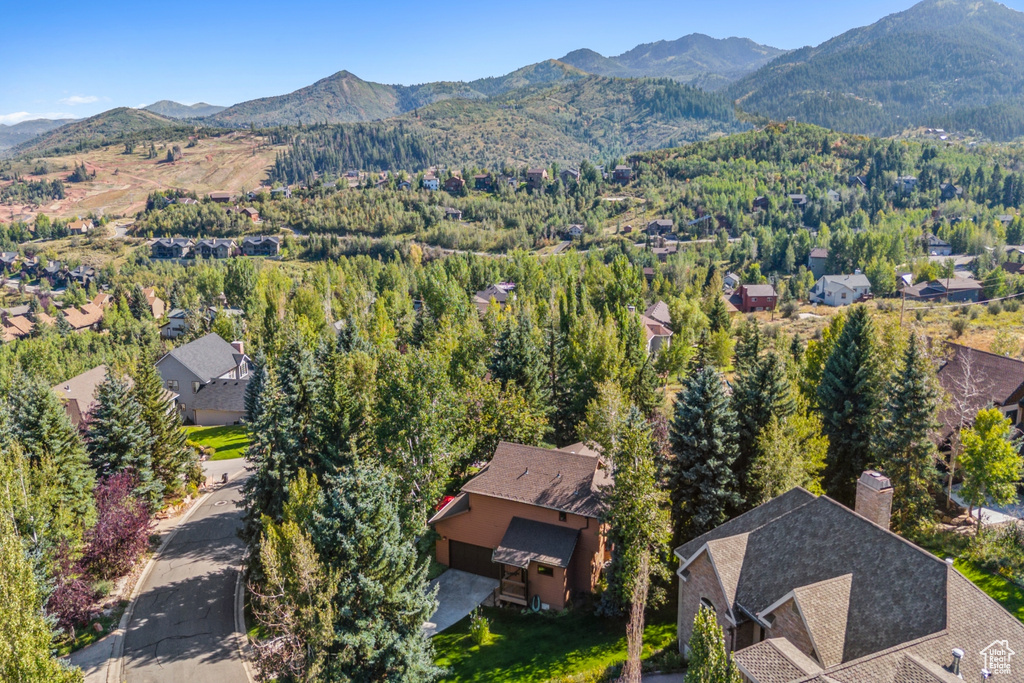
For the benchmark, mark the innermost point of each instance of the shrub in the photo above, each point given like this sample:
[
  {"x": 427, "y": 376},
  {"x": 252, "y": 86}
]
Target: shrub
[
  {"x": 973, "y": 312},
  {"x": 919, "y": 314},
  {"x": 121, "y": 533},
  {"x": 1011, "y": 305},
  {"x": 959, "y": 325},
  {"x": 71, "y": 602},
  {"x": 479, "y": 627},
  {"x": 995, "y": 308},
  {"x": 788, "y": 309}
]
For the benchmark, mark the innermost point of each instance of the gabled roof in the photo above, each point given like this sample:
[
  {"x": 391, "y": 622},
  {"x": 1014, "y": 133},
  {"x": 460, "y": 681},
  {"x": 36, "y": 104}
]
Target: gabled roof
[
  {"x": 559, "y": 480},
  {"x": 81, "y": 389},
  {"x": 849, "y": 281},
  {"x": 819, "y": 252},
  {"x": 998, "y": 380},
  {"x": 260, "y": 239},
  {"x": 659, "y": 312},
  {"x": 527, "y": 541},
  {"x": 775, "y": 660},
  {"x": 758, "y": 290},
  {"x": 208, "y": 357}
]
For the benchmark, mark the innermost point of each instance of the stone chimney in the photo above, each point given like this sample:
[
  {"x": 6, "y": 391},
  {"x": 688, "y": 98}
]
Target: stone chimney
[
  {"x": 874, "y": 498},
  {"x": 240, "y": 348}
]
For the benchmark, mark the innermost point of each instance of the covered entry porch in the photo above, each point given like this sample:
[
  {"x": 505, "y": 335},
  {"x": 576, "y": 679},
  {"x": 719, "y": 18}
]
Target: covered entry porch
[{"x": 535, "y": 558}]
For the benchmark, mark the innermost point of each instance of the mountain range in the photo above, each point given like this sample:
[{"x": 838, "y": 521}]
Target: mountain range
[
  {"x": 957, "y": 64},
  {"x": 17, "y": 133}
]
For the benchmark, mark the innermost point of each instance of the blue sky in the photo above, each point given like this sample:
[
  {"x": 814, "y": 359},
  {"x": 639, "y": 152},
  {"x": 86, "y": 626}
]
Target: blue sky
[{"x": 79, "y": 58}]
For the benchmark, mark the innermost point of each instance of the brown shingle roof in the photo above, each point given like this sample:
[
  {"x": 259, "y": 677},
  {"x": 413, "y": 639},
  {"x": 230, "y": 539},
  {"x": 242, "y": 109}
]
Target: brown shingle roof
[
  {"x": 775, "y": 660},
  {"x": 527, "y": 541},
  {"x": 659, "y": 311},
  {"x": 997, "y": 379},
  {"x": 568, "y": 482}
]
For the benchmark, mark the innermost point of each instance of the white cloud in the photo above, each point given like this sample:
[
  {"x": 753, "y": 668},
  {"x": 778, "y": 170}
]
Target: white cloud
[
  {"x": 19, "y": 116},
  {"x": 80, "y": 99}
]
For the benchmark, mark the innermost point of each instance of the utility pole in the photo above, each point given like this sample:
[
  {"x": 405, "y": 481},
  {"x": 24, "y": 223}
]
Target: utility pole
[{"x": 903, "y": 305}]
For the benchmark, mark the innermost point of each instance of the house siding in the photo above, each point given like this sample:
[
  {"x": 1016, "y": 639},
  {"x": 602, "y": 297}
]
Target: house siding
[
  {"x": 216, "y": 418},
  {"x": 702, "y": 583},
  {"x": 488, "y": 518},
  {"x": 789, "y": 624}
]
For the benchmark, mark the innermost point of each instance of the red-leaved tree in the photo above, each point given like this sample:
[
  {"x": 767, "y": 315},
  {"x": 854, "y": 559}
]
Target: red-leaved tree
[
  {"x": 121, "y": 533},
  {"x": 71, "y": 602}
]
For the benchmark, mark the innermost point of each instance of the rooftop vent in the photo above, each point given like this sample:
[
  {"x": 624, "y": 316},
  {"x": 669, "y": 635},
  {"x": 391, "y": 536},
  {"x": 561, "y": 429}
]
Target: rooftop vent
[{"x": 958, "y": 655}]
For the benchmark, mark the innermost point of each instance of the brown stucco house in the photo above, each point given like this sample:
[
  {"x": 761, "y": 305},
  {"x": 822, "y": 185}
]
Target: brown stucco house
[
  {"x": 530, "y": 518},
  {"x": 807, "y": 590}
]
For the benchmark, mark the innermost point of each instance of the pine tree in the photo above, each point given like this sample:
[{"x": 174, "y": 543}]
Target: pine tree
[
  {"x": 718, "y": 314},
  {"x": 170, "y": 455},
  {"x": 62, "y": 481},
  {"x": 905, "y": 451},
  {"x": 119, "y": 439},
  {"x": 750, "y": 345},
  {"x": 848, "y": 400},
  {"x": 518, "y": 358},
  {"x": 25, "y": 637},
  {"x": 709, "y": 662},
  {"x": 702, "y": 484},
  {"x": 382, "y": 600},
  {"x": 761, "y": 392},
  {"x": 138, "y": 305}
]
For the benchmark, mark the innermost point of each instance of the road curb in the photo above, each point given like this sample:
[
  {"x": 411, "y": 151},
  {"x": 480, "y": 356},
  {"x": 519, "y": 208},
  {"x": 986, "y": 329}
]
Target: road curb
[
  {"x": 115, "y": 665},
  {"x": 241, "y": 635}
]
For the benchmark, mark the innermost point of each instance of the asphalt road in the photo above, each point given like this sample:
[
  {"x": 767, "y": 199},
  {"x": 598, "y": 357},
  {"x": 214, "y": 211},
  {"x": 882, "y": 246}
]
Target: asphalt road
[{"x": 183, "y": 626}]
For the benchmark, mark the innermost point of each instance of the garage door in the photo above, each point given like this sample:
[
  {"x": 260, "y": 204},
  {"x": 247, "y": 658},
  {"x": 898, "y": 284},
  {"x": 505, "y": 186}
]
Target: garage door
[{"x": 474, "y": 559}]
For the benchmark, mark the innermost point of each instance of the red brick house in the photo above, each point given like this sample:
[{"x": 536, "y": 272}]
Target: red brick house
[
  {"x": 530, "y": 518},
  {"x": 757, "y": 298},
  {"x": 806, "y": 590},
  {"x": 251, "y": 213},
  {"x": 454, "y": 184}
]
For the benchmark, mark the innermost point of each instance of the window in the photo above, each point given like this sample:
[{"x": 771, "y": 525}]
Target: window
[
  {"x": 195, "y": 387},
  {"x": 545, "y": 571},
  {"x": 561, "y": 516},
  {"x": 172, "y": 385},
  {"x": 844, "y": 295},
  {"x": 704, "y": 602}
]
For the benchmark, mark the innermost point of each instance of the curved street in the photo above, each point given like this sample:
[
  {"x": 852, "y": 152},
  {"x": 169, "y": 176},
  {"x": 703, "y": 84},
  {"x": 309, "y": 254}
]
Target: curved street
[{"x": 183, "y": 624}]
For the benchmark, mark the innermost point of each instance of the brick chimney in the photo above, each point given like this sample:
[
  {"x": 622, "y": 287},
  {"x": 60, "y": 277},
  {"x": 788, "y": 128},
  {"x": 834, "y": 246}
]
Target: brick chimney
[
  {"x": 874, "y": 498},
  {"x": 238, "y": 346}
]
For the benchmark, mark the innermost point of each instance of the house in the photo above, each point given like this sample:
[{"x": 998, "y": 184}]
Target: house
[
  {"x": 7, "y": 260},
  {"x": 657, "y": 320},
  {"x": 451, "y": 214},
  {"x": 949, "y": 191},
  {"x": 191, "y": 366},
  {"x": 483, "y": 182},
  {"x": 841, "y": 290},
  {"x": 405, "y": 185},
  {"x": 574, "y": 231},
  {"x": 215, "y": 248},
  {"x": 30, "y": 267},
  {"x": 536, "y": 177},
  {"x": 649, "y": 274},
  {"x": 731, "y": 281},
  {"x": 798, "y": 200},
  {"x": 78, "y": 394},
  {"x": 955, "y": 289},
  {"x": 659, "y": 226},
  {"x": 1013, "y": 268},
  {"x": 279, "y": 192},
  {"x": 176, "y": 324},
  {"x": 531, "y": 520},
  {"x": 757, "y": 298},
  {"x": 858, "y": 181},
  {"x": 430, "y": 182},
  {"x": 220, "y": 402},
  {"x": 816, "y": 261},
  {"x": 89, "y": 315},
  {"x": 171, "y": 247},
  {"x": 251, "y": 213},
  {"x": 500, "y": 292},
  {"x": 808, "y": 590},
  {"x": 761, "y": 203},
  {"x": 15, "y": 324},
  {"x": 569, "y": 175},
  {"x": 264, "y": 245},
  {"x": 905, "y": 183},
  {"x": 975, "y": 379},
  {"x": 56, "y": 273},
  {"x": 156, "y": 305},
  {"x": 79, "y": 227},
  {"x": 221, "y": 197},
  {"x": 938, "y": 247},
  {"x": 622, "y": 174},
  {"x": 833, "y": 196},
  {"x": 664, "y": 252},
  {"x": 186, "y": 201},
  {"x": 454, "y": 185},
  {"x": 83, "y": 275}
]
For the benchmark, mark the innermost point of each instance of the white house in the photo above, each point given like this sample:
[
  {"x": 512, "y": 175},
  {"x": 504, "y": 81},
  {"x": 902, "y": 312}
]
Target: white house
[
  {"x": 840, "y": 290},
  {"x": 175, "y": 326},
  {"x": 938, "y": 246},
  {"x": 430, "y": 182},
  {"x": 731, "y": 281}
]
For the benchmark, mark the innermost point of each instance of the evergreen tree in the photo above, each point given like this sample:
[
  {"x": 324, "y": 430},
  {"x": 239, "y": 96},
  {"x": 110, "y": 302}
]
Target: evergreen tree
[
  {"x": 119, "y": 439},
  {"x": 170, "y": 455},
  {"x": 518, "y": 358},
  {"x": 718, "y": 314},
  {"x": 138, "y": 305},
  {"x": 761, "y": 392},
  {"x": 709, "y": 662},
  {"x": 750, "y": 345},
  {"x": 702, "y": 484},
  {"x": 61, "y": 479},
  {"x": 848, "y": 400},
  {"x": 906, "y": 452},
  {"x": 258, "y": 375},
  {"x": 25, "y": 637},
  {"x": 382, "y": 598}
]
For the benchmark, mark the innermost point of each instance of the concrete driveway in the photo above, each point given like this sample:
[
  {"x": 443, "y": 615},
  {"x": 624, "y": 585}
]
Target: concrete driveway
[{"x": 458, "y": 593}]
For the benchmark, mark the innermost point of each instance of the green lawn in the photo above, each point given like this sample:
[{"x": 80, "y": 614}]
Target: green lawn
[
  {"x": 1000, "y": 589},
  {"x": 227, "y": 442},
  {"x": 533, "y": 648}
]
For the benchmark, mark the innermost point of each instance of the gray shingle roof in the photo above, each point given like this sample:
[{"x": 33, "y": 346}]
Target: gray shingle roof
[
  {"x": 775, "y": 660},
  {"x": 208, "y": 357},
  {"x": 851, "y": 281},
  {"x": 222, "y": 394},
  {"x": 528, "y": 541},
  {"x": 568, "y": 482}
]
